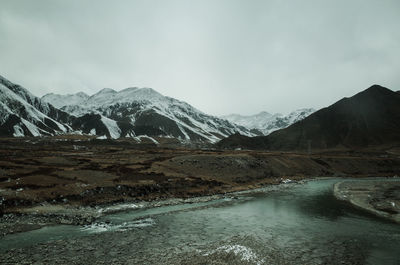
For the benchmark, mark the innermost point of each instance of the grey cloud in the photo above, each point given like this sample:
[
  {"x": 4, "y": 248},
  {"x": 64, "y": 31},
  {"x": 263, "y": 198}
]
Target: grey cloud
[{"x": 222, "y": 56}]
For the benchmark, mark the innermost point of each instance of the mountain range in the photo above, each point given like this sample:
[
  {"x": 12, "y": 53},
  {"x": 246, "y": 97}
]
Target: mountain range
[
  {"x": 144, "y": 111},
  {"x": 265, "y": 123},
  {"x": 108, "y": 114},
  {"x": 369, "y": 118}
]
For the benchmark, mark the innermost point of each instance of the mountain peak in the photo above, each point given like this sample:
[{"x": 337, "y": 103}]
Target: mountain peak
[
  {"x": 377, "y": 89},
  {"x": 143, "y": 93},
  {"x": 82, "y": 94},
  {"x": 60, "y": 101},
  {"x": 263, "y": 113},
  {"x": 106, "y": 90},
  {"x": 376, "y": 86},
  {"x": 369, "y": 118},
  {"x": 139, "y": 89},
  {"x": 129, "y": 89},
  {"x": 373, "y": 92}
]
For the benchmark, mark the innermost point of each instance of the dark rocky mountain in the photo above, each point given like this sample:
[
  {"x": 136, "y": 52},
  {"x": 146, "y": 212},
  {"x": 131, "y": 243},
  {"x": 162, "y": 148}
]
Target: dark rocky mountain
[{"x": 371, "y": 117}]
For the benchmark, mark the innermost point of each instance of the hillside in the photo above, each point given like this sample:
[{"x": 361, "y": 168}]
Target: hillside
[
  {"x": 371, "y": 117},
  {"x": 23, "y": 114}
]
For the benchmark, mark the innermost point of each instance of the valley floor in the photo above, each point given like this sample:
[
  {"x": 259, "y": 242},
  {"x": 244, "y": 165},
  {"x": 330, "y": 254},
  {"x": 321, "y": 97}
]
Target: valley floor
[{"x": 65, "y": 180}]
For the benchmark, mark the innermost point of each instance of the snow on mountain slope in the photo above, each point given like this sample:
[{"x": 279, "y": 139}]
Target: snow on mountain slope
[
  {"x": 108, "y": 114},
  {"x": 266, "y": 122},
  {"x": 113, "y": 129},
  {"x": 257, "y": 121},
  {"x": 22, "y": 114},
  {"x": 59, "y": 101},
  {"x": 144, "y": 111},
  {"x": 108, "y": 97},
  {"x": 299, "y": 115},
  {"x": 100, "y": 98}
]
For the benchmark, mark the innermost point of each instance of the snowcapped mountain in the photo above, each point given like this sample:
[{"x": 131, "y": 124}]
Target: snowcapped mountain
[
  {"x": 23, "y": 114},
  {"x": 130, "y": 112},
  {"x": 59, "y": 101},
  {"x": 143, "y": 111},
  {"x": 266, "y": 123},
  {"x": 258, "y": 121}
]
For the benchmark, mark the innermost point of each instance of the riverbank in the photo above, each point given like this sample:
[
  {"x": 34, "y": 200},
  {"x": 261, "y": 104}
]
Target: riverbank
[
  {"x": 37, "y": 217},
  {"x": 301, "y": 224},
  {"x": 68, "y": 181},
  {"x": 381, "y": 198}
]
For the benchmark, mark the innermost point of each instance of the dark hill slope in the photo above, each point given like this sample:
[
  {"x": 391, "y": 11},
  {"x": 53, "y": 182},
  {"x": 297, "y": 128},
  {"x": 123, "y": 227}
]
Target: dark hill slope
[{"x": 371, "y": 117}]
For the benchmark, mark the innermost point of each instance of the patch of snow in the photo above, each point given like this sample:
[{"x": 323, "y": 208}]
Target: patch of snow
[
  {"x": 78, "y": 110},
  {"x": 130, "y": 134},
  {"x": 18, "y": 131},
  {"x": 187, "y": 137},
  {"x": 112, "y": 126},
  {"x": 102, "y": 137},
  {"x": 147, "y": 137},
  {"x": 92, "y": 131},
  {"x": 60, "y": 126},
  {"x": 31, "y": 127}
]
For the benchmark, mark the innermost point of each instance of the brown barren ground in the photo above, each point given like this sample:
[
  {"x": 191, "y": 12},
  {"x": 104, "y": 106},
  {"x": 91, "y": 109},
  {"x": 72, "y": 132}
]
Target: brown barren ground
[{"x": 79, "y": 171}]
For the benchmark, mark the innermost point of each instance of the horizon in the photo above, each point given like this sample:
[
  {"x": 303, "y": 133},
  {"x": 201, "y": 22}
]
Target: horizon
[
  {"x": 221, "y": 116},
  {"x": 221, "y": 57}
]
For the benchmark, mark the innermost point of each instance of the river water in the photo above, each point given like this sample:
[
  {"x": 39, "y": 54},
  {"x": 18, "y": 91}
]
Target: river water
[{"x": 300, "y": 224}]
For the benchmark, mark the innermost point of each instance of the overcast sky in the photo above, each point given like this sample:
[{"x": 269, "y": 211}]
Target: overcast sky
[{"x": 221, "y": 56}]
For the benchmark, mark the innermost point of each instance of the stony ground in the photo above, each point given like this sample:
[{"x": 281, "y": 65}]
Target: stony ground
[{"x": 381, "y": 197}]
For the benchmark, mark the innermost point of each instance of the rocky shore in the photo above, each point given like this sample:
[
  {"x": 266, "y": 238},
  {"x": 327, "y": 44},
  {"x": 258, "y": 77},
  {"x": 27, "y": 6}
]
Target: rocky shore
[
  {"x": 45, "y": 215},
  {"x": 379, "y": 197},
  {"x": 149, "y": 245}
]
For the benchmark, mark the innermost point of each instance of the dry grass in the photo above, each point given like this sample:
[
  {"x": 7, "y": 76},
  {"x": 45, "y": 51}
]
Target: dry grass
[{"x": 56, "y": 171}]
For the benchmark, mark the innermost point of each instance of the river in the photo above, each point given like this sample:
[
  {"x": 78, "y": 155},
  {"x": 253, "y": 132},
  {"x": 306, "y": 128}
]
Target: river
[{"x": 300, "y": 224}]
